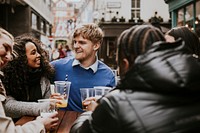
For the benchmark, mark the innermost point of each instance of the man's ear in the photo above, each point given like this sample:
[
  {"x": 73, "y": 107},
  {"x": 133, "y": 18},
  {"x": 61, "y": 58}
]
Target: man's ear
[
  {"x": 96, "y": 46},
  {"x": 125, "y": 64}
]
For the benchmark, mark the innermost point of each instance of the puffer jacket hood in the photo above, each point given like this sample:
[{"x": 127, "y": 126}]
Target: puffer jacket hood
[{"x": 165, "y": 67}]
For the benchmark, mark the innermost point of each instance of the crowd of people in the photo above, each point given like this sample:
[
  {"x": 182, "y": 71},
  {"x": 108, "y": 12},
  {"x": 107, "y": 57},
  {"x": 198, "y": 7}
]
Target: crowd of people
[
  {"x": 158, "y": 91},
  {"x": 61, "y": 51}
]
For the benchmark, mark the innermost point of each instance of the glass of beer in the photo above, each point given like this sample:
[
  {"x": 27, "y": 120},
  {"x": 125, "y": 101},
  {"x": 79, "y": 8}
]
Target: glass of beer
[
  {"x": 50, "y": 107},
  {"x": 86, "y": 93},
  {"x": 62, "y": 88},
  {"x": 101, "y": 90}
]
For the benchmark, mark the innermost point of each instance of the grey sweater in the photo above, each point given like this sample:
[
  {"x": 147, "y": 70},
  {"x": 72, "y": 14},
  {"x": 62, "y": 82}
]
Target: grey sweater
[{"x": 16, "y": 109}]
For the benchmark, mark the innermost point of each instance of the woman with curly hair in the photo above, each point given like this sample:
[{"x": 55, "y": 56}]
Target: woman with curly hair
[{"x": 27, "y": 78}]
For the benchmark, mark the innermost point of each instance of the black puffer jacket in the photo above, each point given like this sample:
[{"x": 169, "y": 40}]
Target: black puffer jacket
[{"x": 162, "y": 96}]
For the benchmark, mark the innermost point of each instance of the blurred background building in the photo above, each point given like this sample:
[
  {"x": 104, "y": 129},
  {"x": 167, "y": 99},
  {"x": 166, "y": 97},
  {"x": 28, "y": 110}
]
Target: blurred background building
[
  {"x": 114, "y": 16},
  {"x": 27, "y": 16},
  {"x": 65, "y": 15},
  {"x": 53, "y": 21}
]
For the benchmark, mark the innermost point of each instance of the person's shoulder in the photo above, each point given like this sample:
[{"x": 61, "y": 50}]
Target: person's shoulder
[
  {"x": 103, "y": 65},
  {"x": 44, "y": 79},
  {"x": 113, "y": 97},
  {"x": 62, "y": 61}
]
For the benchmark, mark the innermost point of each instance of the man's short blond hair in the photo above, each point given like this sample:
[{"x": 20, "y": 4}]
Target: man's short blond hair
[{"x": 90, "y": 31}]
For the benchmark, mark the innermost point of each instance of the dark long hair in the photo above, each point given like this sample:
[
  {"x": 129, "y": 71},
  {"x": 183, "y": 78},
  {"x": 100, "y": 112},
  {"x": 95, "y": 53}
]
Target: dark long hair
[
  {"x": 189, "y": 37},
  {"x": 16, "y": 73}
]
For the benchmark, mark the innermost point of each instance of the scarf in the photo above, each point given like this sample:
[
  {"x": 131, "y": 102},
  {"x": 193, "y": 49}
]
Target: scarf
[{"x": 34, "y": 87}]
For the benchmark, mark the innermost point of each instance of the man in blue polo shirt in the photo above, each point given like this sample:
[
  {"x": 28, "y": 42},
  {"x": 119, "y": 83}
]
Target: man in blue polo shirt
[{"x": 84, "y": 70}]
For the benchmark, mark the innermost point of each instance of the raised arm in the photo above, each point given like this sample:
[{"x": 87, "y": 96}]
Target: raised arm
[
  {"x": 7, "y": 125},
  {"x": 16, "y": 109}
]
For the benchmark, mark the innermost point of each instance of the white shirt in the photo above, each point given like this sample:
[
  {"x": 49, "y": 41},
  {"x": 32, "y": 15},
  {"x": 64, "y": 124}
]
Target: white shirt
[{"x": 93, "y": 66}]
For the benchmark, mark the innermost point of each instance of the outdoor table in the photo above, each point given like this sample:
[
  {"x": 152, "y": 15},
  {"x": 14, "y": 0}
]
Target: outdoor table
[{"x": 66, "y": 119}]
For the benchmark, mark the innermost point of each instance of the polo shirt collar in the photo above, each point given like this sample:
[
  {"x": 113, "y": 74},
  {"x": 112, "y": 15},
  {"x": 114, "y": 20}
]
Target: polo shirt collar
[{"x": 93, "y": 66}]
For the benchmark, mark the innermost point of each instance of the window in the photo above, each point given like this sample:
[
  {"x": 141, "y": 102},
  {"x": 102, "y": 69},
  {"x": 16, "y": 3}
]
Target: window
[
  {"x": 34, "y": 21},
  {"x": 189, "y": 16},
  {"x": 135, "y": 10},
  {"x": 135, "y": 14},
  {"x": 180, "y": 17},
  {"x": 43, "y": 28},
  {"x": 198, "y": 10},
  {"x": 185, "y": 16},
  {"x": 47, "y": 30},
  {"x": 111, "y": 52},
  {"x": 197, "y": 19}
]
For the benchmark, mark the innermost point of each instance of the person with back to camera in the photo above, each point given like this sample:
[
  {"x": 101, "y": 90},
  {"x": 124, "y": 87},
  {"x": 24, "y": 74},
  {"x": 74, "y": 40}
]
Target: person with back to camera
[
  {"x": 159, "y": 89},
  {"x": 84, "y": 70},
  {"x": 27, "y": 78},
  {"x": 7, "y": 125},
  {"x": 189, "y": 37}
]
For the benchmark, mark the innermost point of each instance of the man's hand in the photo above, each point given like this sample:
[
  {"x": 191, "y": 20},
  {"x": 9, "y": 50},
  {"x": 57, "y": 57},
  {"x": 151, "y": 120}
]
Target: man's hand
[{"x": 90, "y": 103}]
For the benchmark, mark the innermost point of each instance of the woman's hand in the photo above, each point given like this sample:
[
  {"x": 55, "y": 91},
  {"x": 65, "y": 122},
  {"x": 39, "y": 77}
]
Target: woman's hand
[
  {"x": 49, "y": 122},
  {"x": 58, "y": 98},
  {"x": 90, "y": 103}
]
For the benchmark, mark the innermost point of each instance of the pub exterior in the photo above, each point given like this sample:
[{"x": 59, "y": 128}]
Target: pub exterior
[{"x": 185, "y": 13}]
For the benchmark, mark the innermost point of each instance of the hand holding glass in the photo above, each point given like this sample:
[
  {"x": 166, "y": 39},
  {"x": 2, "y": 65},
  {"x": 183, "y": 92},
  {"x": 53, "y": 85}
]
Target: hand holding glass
[
  {"x": 50, "y": 103},
  {"x": 61, "y": 92},
  {"x": 85, "y": 94},
  {"x": 90, "y": 103},
  {"x": 49, "y": 122}
]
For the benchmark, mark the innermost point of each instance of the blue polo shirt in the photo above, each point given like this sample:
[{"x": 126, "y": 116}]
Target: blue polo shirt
[{"x": 98, "y": 74}]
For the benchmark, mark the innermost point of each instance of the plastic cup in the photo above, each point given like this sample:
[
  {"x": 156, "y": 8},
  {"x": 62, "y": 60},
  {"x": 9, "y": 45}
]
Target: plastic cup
[
  {"x": 101, "y": 90},
  {"x": 107, "y": 90},
  {"x": 51, "y": 107},
  {"x": 86, "y": 93},
  {"x": 63, "y": 88}
]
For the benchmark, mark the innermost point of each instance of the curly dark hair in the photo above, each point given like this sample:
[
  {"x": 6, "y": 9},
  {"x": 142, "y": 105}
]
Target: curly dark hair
[{"x": 16, "y": 73}]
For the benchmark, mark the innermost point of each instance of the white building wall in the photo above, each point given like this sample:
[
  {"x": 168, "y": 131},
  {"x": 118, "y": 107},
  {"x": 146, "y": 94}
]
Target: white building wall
[
  {"x": 147, "y": 10},
  {"x": 42, "y": 8},
  {"x": 124, "y": 11},
  {"x": 88, "y": 13},
  {"x": 149, "y": 7},
  {"x": 85, "y": 12}
]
